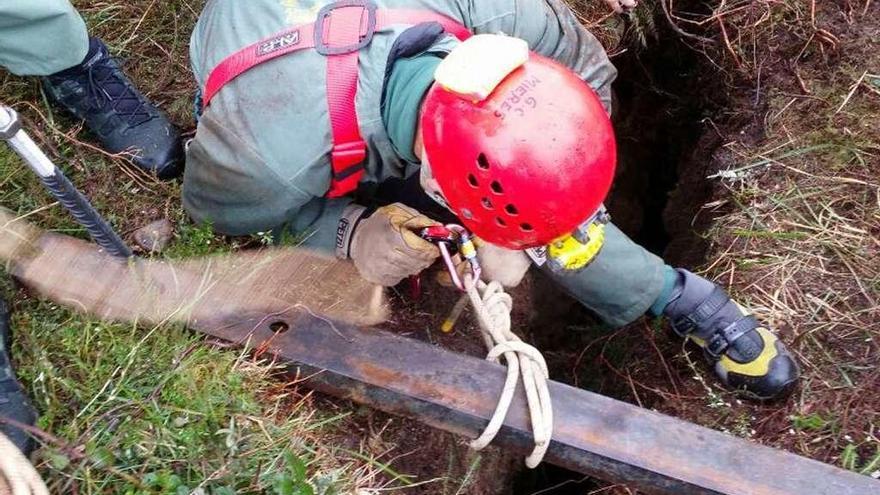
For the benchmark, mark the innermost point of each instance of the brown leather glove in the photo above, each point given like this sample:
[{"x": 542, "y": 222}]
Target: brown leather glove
[{"x": 384, "y": 245}]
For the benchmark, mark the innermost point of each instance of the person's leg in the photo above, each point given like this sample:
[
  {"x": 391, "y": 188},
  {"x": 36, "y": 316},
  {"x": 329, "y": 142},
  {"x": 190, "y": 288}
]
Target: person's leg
[
  {"x": 620, "y": 284},
  {"x": 48, "y": 38},
  {"x": 41, "y": 37},
  {"x": 625, "y": 281},
  {"x": 14, "y": 402}
]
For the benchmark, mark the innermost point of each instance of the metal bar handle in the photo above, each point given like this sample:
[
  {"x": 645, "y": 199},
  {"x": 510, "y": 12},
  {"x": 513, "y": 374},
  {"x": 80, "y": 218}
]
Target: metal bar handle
[{"x": 59, "y": 185}]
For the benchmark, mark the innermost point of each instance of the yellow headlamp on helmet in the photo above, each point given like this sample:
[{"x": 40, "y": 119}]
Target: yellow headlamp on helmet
[{"x": 575, "y": 251}]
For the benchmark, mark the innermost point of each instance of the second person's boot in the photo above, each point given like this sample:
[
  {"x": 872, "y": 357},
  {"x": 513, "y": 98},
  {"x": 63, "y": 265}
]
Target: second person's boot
[{"x": 123, "y": 120}]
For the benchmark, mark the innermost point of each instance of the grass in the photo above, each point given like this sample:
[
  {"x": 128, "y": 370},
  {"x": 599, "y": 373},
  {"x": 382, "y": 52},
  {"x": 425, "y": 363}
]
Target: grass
[
  {"x": 137, "y": 410},
  {"x": 130, "y": 410},
  {"x": 157, "y": 411}
]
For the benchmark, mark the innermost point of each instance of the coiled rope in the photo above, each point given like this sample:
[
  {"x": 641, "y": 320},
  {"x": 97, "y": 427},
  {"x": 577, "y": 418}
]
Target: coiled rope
[
  {"x": 17, "y": 475},
  {"x": 493, "y": 306}
]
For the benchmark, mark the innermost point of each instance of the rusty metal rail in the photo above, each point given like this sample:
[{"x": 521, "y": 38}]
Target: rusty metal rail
[{"x": 594, "y": 435}]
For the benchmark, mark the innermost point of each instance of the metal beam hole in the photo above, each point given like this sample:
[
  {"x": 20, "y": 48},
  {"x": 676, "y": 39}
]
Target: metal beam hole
[{"x": 279, "y": 327}]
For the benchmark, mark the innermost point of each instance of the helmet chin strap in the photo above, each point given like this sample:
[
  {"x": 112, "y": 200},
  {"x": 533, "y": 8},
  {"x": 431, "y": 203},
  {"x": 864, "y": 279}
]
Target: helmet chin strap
[
  {"x": 428, "y": 182},
  {"x": 426, "y": 178}
]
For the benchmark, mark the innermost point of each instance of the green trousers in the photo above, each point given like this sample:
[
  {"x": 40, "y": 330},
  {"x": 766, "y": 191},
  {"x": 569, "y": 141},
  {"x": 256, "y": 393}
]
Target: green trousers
[
  {"x": 41, "y": 37},
  {"x": 620, "y": 285}
]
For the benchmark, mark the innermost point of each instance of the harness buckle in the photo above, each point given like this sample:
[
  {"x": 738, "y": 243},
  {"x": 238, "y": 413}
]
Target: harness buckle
[
  {"x": 345, "y": 11},
  {"x": 348, "y": 158}
]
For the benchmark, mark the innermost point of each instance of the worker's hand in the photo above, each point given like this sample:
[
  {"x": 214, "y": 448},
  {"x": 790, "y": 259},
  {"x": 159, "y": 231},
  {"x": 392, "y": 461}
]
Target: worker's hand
[
  {"x": 385, "y": 246},
  {"x": 505, "y": 266},
  {"x": 621, "y": 6}
]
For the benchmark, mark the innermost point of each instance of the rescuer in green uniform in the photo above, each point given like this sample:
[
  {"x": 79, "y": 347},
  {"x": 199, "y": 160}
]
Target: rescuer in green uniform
[{"x": 353, "y": 129}]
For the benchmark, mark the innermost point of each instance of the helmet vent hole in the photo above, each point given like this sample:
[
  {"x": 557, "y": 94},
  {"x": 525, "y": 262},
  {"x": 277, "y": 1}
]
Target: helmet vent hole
[
  {"x": 483, "y": 162},
  {"x": 500, "y": 221},
  {"x": 496, "y": 187},
  {"x": 487, "y": 204},
  {"x": 511, "y": 210},
  {"x": 526, "y": 227},
  {"x": 472, "y": 180}
]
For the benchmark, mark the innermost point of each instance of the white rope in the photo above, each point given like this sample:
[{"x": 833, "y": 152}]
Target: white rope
[
  {"x": 17, "y": 475},
  {"x": 493, "y": 306}
]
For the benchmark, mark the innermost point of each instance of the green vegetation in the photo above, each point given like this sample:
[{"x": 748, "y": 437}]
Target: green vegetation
[
  {"x": 159, "y": 411},
  {"x": 850, "y": 459},
  {"x": 811, "y": 422}
]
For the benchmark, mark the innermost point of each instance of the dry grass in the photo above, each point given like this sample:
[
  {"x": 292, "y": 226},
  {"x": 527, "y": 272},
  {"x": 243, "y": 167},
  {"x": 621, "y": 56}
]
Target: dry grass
[{"x": 796, "y": 229}]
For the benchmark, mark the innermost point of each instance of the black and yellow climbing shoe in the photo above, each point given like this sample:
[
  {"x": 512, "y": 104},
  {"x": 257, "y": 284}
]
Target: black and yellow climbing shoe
[{"x": 747, "y": 357}]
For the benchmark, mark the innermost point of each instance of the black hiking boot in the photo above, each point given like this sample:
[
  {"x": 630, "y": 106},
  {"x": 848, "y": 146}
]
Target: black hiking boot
[
  {"x": 14, "y": 402},
  {"x": 98, "y": 92},
  {"x": 747, "y": 357}
]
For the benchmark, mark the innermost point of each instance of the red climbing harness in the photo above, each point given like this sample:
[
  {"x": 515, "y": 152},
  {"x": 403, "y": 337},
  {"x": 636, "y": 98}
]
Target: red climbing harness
[{"x": 340, "y": 31}]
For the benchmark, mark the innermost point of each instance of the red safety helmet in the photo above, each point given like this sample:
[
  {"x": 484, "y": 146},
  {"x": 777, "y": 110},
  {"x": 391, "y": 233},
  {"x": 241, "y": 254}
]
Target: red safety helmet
[{"x": 527, "y": 165}]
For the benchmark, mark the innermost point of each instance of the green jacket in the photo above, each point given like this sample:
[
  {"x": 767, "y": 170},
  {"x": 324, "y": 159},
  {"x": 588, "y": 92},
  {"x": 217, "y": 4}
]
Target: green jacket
[
  {"x": 41, "y": 37},
  {"x": 260, "y": 158}
]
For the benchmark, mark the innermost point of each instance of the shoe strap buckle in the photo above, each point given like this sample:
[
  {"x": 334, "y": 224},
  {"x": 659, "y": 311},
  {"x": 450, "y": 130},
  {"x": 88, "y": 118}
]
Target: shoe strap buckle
[
  {"x": 683, "y": 326},
  {"x": 720, "y": 341},
  {"x": 716, "y": 345}
]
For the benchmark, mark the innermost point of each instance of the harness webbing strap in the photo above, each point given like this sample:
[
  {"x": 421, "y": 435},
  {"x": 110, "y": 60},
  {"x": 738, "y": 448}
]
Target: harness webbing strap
[
  {"x": 342, "y": 29},
  {"x": 349, "y": 148}
]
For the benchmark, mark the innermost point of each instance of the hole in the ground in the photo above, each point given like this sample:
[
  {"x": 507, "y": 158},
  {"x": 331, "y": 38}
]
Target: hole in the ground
[
  {"x": 662, "y": 96},
  {"x": 661, "y": 146}
]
